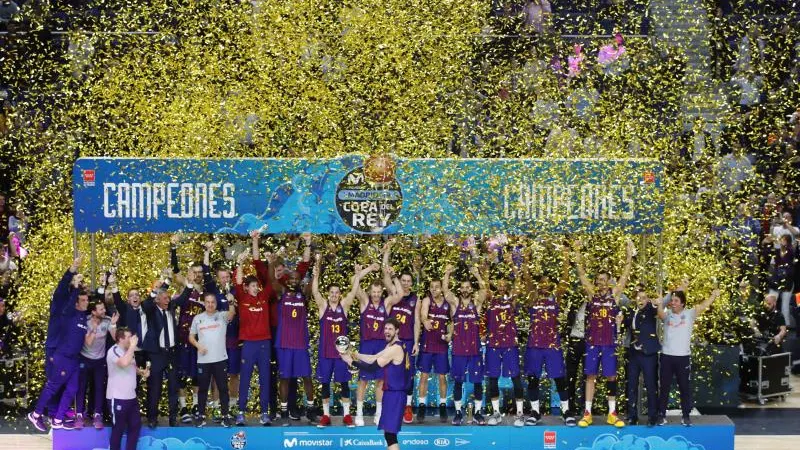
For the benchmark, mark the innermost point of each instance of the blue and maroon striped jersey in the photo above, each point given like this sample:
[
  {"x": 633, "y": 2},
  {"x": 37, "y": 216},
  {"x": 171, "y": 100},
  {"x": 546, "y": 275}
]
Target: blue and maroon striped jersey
[
  {"x": 433, "y": 339},
  {"x": 292, "y": 321},
  {"x": 332, "y": 324},
  {"x": 466, "y": 330},
  {"x": 502, "y": 326},
  {"x": 372, "y": 320}
]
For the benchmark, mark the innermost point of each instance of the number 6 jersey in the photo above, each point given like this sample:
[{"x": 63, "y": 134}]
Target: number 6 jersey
[{"x": 292, "y": 321}]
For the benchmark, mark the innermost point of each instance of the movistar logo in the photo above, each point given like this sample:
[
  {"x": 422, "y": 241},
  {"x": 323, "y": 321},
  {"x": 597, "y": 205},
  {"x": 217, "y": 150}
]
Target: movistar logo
[{"x": 294, "y": 442}]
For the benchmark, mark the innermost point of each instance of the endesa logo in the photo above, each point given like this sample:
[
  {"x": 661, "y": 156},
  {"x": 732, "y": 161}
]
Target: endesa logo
[
  {"x": 549, "y": 439},
  {"x": 441, "y": 442}
]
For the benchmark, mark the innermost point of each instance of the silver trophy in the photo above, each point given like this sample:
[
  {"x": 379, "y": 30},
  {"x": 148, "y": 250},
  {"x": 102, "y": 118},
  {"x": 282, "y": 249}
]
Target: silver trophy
[{"x": 343, "y": 346}]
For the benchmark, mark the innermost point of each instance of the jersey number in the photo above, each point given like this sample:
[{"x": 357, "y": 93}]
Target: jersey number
[
  {"x": 294, "y": 313},
  {"x": 503, "y": 316},
  {"x": 375, "y": 326},
  {"x": 436, "y": 325},
  {"x": 604, "y": 313},
  {"x": 336, "y": 328},
  {"x": 401, "y": 318}
]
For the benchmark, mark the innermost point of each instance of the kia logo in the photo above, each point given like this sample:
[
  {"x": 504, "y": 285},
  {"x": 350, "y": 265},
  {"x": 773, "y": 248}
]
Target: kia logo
[{"x": 441, "y": 442}]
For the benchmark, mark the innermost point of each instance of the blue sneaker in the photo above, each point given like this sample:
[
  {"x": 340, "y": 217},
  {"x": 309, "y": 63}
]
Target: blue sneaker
[
  {"x": 37, "y": 421},
  {"x": 265, "y": 420},
  {"x": 240, "y": 420}
]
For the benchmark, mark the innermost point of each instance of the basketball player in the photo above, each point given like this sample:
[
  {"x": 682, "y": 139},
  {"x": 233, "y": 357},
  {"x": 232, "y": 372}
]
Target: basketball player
[
  {"x": 397, "y": 369},
  {"x": 404, "y": 306},
  {"x": 544, "y": 342},
  {"x": 435, "y": 318},
  {"x": 294, "y": 360},
  {"x": 373, "y": 316},
  {"x": 602, "y": 311},
  {"x": 502, "y": 353},
  {"x": 467, "y": 358},
  {"x": 332, "y": 324}
]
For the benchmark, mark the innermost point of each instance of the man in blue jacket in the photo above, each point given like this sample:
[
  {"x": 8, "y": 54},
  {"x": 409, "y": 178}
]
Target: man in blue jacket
[{"x": 643, "y": 357}]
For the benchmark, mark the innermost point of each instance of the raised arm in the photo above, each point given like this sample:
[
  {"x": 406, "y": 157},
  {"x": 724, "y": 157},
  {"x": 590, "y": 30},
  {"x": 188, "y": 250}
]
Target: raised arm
[
  {"x": 707, "y": 302},
  {"x": 626, "y": 272},
  {"x": 358, "y": 275},
  {"x": 483, "y": 288},
  {"x": 307, "y": 249},
  {"x": 587, "y": 285},
  {"x": 231, "y": 306},
  {"x": 417, "y": 328},
  {"x": 387, "y": 272},
  {"x": 173, "y": 253},
  {"x": 563, "y": 281},
  {"x": 318, "y": 298},
  {"x": 449, "y": 297},
  {"x": 209, "y": 285}
]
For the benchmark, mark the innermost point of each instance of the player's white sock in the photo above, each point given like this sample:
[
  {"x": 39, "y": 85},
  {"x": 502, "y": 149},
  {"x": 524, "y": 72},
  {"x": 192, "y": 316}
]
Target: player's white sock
[
  {"x": 345, "y": 407},
  {"x": 564, "y": 406},
  {"x": 442, "y": 400},
  {"x": 326, "y": 409},
  {"x": 520, "y": 407},
  {"x": 408, "y": 400},
  {"x": 478, "y": 405},
  {"x": 194, "y": 398},
  {"x": 496, "y": 405},
  {"x": 588, "y": 406},
  {"x": 458, "y": 404},
  {"x": 612, "y": 405},
  {"x": 359, "y": 408},
  {"x": 182, "y": 402},
  {"x": 378, "y": 409},
  {"x": 284, "y": 406},
  {"x": 535, "y": 405}
]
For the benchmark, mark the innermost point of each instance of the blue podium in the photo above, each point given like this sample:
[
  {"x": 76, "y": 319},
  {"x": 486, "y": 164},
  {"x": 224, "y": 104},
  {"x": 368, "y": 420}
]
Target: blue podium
[{"x": 708, "y": 433}]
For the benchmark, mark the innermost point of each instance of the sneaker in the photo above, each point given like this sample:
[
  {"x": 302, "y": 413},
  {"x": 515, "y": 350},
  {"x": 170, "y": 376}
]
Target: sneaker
[
  {"x": 586, "y": 420},
  {"x": 324, "y": 421},
  {"x": 311, "y": 415},
  {"x": 98, "y": 421},
  {"x": 613, "y": 419},
  {"x": 69, "y": 415},
  {"x": 348, "y": 421},
  {"x": 686, "y": 421},
  {"x": 458, "y": 419},
  {"x": 294, "y": 415},
  {"x": 63, "y": 425},
  {"x": 478, "y": 419},
  {"x": 662, "y": 422},
  {"x": 421, "y": 413},
  {"x": 240, "y": 422},
  {"x": 519, "y": 421},
  {"x": 200, "y": 421},
  {"x": 495, "y": 419},
  {"x": 264, "y": 420},
  {"x": 79, "y": 421},
  {"x": 408, "y": 414},
  {"x": 533, "y": 419},
  {"x": 185, "y": 416},
  {"x": 37, "y": 421},
  {"x": 442, "y": 413},
  {"x": 225, "y": 422},
  {"x": 285, "y": 418},
  {"x": 569, "y": 419},
  {"x": 173, "y": 422},
  {"x": 359, "y": 421}
]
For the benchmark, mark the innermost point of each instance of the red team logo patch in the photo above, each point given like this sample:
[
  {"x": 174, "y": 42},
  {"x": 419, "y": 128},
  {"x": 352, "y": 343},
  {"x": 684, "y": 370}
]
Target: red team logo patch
[
  {"x": 549, "y": 439},
  {"x": 88, "y": 177}
]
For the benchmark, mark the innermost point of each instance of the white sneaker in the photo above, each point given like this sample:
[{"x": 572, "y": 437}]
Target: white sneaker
[
  {"x": 359, "y": 421},
  {"x": 494, "y": 419},
  {"x": 519, "y": 421},
  {"x": 376, "y": 418}
]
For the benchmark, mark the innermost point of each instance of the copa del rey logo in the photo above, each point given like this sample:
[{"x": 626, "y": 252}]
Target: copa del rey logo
[{"x": 549, "y": 439}]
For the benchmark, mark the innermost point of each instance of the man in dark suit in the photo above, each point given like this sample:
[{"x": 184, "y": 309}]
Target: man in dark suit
[
  {"x": 643, "y": 357},
  {"x": 160, "y": 345}
]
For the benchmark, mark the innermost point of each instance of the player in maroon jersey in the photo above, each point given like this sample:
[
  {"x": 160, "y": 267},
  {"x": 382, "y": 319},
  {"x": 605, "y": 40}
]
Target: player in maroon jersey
[
  {"x": 467, "y": 358},
  {"x": 373, "y": 316},
  {"x": 403, "y": 306},
  {"x": 602, "y": 320},
  {"x": 332, "y": 324},
  {"x": 435, "y": 317}
]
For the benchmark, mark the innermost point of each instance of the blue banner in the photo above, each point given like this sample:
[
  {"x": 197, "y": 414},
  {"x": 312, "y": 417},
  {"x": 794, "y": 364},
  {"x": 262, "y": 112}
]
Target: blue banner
[
  {"x": 719, "y": 436},
  {"x": 369, "y": 195}
]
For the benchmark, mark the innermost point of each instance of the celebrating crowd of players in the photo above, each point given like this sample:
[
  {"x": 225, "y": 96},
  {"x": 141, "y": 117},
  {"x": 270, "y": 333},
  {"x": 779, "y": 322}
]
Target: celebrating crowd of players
[{"x": 227, "y": 326}]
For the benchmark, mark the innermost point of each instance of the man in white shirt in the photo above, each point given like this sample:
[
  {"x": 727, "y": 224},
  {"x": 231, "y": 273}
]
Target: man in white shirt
[
  {"x": 207, "y": 334},
  {"x": 676, "y": 350},
  {"x": 121, "y": 389}
]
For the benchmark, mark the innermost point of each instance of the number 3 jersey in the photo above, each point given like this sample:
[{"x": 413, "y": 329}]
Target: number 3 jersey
[
  {"x": 292, "y": 321},
  {"x": 433, "y": 339},
  {"x": 332, "y": 324},
  {"x": 601, "y": 320}
]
